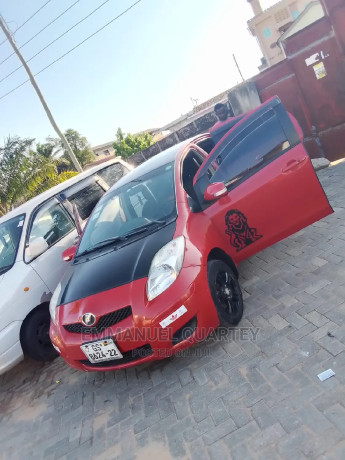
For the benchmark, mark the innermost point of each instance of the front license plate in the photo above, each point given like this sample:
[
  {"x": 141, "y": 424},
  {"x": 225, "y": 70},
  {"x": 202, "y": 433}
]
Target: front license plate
[{"x": 101, "y": 350}]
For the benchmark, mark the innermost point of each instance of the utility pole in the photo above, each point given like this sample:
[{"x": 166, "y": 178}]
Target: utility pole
[
  {"x": 194, "y": 102},
  {"x": 40, "y": 96},
  {"x": 238, "y": 67}
]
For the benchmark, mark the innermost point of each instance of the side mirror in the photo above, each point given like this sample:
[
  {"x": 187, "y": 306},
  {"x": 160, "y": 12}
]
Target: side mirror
[
  {"x": 68, "y": 253},
  {"x": 215, "y": 191},
  {"x": 37, "y": 247}
]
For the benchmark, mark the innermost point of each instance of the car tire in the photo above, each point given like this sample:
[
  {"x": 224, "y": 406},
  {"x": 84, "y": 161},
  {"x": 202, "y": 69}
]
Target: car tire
[
  {"x": 225, "y": 292},
  {"x": 34, "y": 336}
]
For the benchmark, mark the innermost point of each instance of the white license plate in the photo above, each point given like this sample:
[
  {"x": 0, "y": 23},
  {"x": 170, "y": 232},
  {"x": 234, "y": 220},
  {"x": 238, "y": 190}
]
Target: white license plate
[{"x": 101, "y": 350}]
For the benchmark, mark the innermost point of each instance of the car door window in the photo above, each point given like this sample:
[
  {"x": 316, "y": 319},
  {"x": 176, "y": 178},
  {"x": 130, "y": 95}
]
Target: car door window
[
  {"x": 206, "y": 144},
  {"x": 10, "y": 233},
  {"x": 252, "y": 148},
  {"x": 51, "y": 222},
  {"x": 111, "y": 174}
]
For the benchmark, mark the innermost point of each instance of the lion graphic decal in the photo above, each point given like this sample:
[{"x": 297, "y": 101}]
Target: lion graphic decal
[{"x": 241, "y": 235}]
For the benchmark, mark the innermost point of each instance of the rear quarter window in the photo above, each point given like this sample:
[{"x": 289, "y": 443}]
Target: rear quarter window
[
  {"x": 86, "y": 199},
  {"x": 111, "y": 174}
]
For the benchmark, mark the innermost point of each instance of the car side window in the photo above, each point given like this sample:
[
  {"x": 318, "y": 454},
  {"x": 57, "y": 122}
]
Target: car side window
[
  {"x": 206, "y": 144},
  {"x": 254, "y": 147},
  {"x": 86, "y": 199},
  {"x": 112, "y": 173},
  {"x": 51, "y": 222},
  {"x": 10, "y": 235}
]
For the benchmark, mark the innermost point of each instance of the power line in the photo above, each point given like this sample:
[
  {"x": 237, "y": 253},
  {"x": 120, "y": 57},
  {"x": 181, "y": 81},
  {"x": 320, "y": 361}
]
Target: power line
[
  {"x": 56, "y": 39},
  {"x": 72, "y": 49},
  {"x": 38, "y": 33},
  {"x": 29, "y": 19},
  {"x": 41, "y": 97}
]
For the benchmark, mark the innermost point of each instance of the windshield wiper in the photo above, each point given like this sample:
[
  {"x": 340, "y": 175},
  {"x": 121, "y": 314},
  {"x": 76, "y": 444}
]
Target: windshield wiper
[
  {"x": 143, "y": 228},
  {"x": 102, "y": 244},
  {"x": 124, "y": 237}
]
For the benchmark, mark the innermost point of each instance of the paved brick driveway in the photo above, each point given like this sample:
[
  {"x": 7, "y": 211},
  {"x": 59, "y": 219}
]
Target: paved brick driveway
[{"x": 233, "y": 396}]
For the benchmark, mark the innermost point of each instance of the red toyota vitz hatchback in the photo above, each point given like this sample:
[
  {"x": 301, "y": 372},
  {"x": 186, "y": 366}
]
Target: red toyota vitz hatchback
[{"x": 155, "y": 269}]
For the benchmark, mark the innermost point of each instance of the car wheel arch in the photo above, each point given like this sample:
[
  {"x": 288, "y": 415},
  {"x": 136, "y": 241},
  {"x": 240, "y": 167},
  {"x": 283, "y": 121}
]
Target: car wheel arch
[
  {"x": 219, "y": 254},
  {"x": 35, "y": 354}
]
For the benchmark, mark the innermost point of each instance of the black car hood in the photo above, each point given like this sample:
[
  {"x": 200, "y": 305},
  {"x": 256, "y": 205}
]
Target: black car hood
[{"x": 112, "y": 267}]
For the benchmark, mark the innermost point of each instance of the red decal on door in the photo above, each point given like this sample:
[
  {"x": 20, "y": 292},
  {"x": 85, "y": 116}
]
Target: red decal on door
[{"x": 241, "y": 235}]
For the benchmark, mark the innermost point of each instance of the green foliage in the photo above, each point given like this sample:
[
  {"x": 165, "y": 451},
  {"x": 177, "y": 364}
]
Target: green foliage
[
  {"x": 13, "y": 165},
  {"x": 80, "y": 146},
  {"x": 25, "y": 173},
  {"x": 127, "y": 145},
  {"x": 46, "y": 150},
  {"x": 49, "y": 182}
]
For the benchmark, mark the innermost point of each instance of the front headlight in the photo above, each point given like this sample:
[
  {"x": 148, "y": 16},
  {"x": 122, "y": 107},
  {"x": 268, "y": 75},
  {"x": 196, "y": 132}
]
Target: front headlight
[
  {"x": 165, "y": 267},
  {"x": 53, "y": 303}
]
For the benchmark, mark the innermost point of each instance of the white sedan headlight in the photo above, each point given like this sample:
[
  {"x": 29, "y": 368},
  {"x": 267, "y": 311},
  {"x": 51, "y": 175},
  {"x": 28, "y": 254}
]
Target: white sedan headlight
[
  {"x": 165, "y": 267},
  {"x": 53, "y": 303}
]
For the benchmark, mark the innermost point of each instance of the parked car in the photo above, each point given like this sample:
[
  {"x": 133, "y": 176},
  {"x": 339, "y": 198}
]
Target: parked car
[
  {"x": 32, "y": 237},
  {"x": 155, "y": 269}
]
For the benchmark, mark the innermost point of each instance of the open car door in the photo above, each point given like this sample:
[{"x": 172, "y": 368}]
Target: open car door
[{"x": 271, "y": 189}]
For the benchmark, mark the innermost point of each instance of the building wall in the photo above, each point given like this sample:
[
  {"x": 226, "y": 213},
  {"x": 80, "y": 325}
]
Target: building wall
[
  {"x": 315, "y": 12},
  {"x": 269, "y": 25},
  {"x": 104, "y": 150}
]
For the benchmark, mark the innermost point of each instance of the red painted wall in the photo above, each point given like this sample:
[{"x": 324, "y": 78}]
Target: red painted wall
[{"x": 314, "y": 101}]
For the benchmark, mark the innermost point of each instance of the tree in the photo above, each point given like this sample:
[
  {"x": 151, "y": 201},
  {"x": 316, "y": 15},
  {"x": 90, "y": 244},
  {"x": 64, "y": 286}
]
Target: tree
[
  {"x": 80, "y": 146},
  {"x": 127, "y": 145},
  {"x": 13, "y": 157},
  {"x": 25, "y": 173},
  {"x": 47, "y": 149}
]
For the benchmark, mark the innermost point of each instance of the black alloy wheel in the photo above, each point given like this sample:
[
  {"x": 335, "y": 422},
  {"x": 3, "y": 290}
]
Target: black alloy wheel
[
  {"x": 34, "y": 336},
  {"x": 225, "y": 291}
]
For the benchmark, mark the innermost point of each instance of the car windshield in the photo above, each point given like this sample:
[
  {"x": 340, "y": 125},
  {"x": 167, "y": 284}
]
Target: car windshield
[
  {"x": 132, "y": 209},
  {"x": 10, "y": 232}
]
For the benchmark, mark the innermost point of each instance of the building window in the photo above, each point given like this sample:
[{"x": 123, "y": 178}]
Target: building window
[
  {"x": 295, "y": 14},
  {"x": 267, "y": 32}
]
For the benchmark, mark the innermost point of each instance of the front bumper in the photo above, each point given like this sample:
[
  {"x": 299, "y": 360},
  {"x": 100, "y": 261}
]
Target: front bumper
[
  {"x": 140, "y": 337},
  {"x": 11, "y": 351}
]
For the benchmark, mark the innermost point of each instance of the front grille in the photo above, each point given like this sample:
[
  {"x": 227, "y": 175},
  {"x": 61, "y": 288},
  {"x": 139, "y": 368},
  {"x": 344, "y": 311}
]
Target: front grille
[
  {"x": 128, "y": 356},
  {"x": 103, "y": 322},
  {"x": 185, "y": 331}
]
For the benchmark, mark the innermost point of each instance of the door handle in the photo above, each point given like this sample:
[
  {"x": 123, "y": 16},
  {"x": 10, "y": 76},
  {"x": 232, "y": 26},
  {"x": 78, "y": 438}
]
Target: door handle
[{"x": 293, "y": 165}]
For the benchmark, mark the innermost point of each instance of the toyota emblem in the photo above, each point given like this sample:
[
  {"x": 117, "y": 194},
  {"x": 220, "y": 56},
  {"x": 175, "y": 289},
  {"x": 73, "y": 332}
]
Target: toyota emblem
[{"x": 88, "y": 319}]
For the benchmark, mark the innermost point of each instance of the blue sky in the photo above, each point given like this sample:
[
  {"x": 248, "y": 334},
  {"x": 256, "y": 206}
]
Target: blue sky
[{"x": 138, "y": 73}]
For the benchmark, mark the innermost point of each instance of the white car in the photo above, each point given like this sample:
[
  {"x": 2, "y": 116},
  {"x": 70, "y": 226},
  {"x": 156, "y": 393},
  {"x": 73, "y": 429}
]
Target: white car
[{"x": 32, "y": 239}]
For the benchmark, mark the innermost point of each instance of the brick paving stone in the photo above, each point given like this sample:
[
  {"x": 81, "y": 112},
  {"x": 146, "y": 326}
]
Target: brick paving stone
[
  {"x": 266, "y": 437},
  {"x": 316, "y": 318},
  {"x": 313, "y": 419},
  {"x": 278, "y": 322},
  {"x": 219, "y": 431},
  {"x": 286, "y": 417},
  {"x": 218, "y": 411},
  {"x": 241, "y": 452},
  {"x": 296, "y": 320},
  {"x": 332, "y": 345},
  {"x": 263, "y": 415},
  {"x": 336, "y": 415},
  {"x": 218, "y": 451}
]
